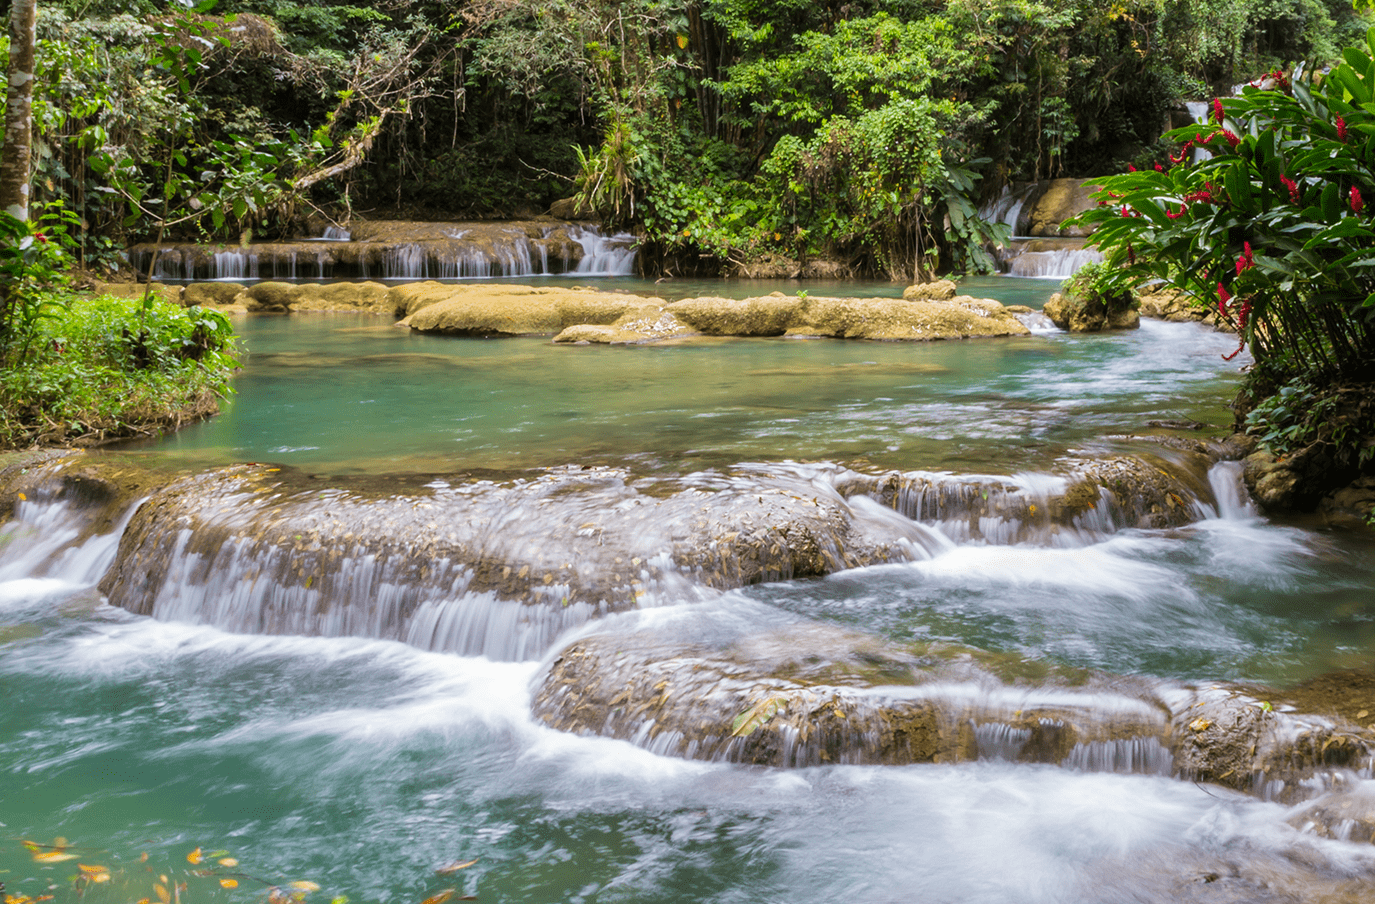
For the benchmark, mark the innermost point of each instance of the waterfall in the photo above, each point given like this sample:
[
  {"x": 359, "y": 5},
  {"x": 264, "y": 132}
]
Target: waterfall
[
  {"x": 1056, "y": 264},
  {"x": 1199, "y": 110},
  {"x": 1007, "y": 207},
  {"x": 234, "y": 265},
  {"x": 604, "y": 255}
]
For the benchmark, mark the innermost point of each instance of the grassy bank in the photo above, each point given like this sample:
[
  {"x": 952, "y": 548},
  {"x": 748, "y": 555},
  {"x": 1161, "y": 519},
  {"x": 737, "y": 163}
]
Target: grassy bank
[{"x": 98, "y": 368}]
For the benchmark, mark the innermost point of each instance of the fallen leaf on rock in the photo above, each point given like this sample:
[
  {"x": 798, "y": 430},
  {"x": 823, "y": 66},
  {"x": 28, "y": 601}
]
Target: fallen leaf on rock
[{"x": 1199, "y": 724}]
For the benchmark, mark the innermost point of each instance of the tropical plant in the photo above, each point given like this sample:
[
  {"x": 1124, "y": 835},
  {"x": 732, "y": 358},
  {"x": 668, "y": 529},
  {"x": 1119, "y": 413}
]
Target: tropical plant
[{"x": 1271, "y": 228}]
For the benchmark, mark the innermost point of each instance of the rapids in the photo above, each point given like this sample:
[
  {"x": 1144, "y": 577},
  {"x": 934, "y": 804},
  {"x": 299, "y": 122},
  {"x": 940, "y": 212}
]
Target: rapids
[{"x": 316, "y": 699}]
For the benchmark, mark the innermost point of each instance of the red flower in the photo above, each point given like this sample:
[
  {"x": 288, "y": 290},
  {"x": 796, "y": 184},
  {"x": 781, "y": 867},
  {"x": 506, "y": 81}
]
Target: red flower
[
  {"x": 1223, "y": 296},
  {"x": 1217, "y": 110},
  {"x": 1131, "y": 168},
  {"x": 40, "y": 237},
  {"x": 1341, "y": 128},
  {"x": 1231, "y": 137},
  {"x": 1183, "y": 153},
  {"x": 1357, "y": 202},
  {"x": 1159, "y": 168},
  {"x": 1176, "y": 215},
  {"x": 1293, "y": 187},
  {"x": 1246, "y": 261},
  {"x": 1243, "y": 314}
]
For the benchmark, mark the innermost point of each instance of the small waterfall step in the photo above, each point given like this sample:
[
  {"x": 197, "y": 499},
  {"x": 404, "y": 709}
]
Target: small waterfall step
[{"x": 405, "y": 250}]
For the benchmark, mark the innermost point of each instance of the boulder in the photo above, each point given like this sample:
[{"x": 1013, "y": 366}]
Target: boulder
[
  {"x": 371, "y": 297},
  {"x": 939, "y": 290},
  {"x": 961, "y": 317},
  {"x": 270, "y": 297},
  {"x": 770, "y": 315},
  {"x": 640, "y": 323},
  {"x": 1059, "y": 201},
  {"x": 213, "y": 294},
  {"x": 1071, "y": 313},
  {"x": 507, "y": 310}
]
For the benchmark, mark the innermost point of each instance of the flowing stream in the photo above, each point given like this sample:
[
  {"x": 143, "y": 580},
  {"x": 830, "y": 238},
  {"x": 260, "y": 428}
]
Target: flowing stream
[{"x": 375, "y": 746}]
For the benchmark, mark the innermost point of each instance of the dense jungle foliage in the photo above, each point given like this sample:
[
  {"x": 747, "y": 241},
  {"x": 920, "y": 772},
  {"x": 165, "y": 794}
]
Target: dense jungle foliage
[{"x": 720, "y": 129}]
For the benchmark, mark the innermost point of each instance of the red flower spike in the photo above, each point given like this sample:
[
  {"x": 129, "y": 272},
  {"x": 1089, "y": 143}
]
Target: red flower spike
[
  {"x": 1240, "y": 346},
  {"x": 1223, "y": 297},
  {"x": 1176, "y": 215},
  {"x": 1341, "y": 129},
  {"x": 1159, "y": 168},
  {"x": 1131, "y": 168},
  {"x": 1217, "y": 110},
  {"x": 1357, "y": 202},
  {"x": 1293, "y": 187}
]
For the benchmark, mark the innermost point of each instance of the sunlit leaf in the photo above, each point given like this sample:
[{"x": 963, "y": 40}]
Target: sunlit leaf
[
  {"x": 456, "y": 866},
  {"x": 94, "y": 873},
  {"x": 52, "y": 857},
  {"x": 440, "y": 897}
]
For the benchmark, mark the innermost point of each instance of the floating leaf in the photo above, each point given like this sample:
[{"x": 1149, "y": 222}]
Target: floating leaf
[
  {"x": 229, "y": 883},
  {"x": 32, "y": 845},
  {"x": 440, "y": 897},
  {"x": 161, "y": 891},
  {"x": 194, "y": 856},
  {"x": 304, "y": 885},
  {"x": 456, "y": 866},
  {"x": 52, "y": 857},
  {"x": 228, "y": 861},
  {"x": 94, "y": 873}
]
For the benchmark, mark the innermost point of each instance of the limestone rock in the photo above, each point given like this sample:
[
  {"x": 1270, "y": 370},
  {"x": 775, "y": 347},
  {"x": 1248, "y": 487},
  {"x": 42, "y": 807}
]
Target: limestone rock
[
  {"x": 1059, "y": 201},
  {"x": 770, "y": 315},
  {"x": 1351, "y": 507},
  {"x": 642, "y": 323},
  {"x": 274, "y": 297},
  {"x": 1077, "y": 316},
  {"x": 371, "y": 297},
  {"x": 938, "y": 290},
  {"x": 1273, "y": 483},
  {"x": 212, "y": 294},
  {"x": 507, "y": 310}
]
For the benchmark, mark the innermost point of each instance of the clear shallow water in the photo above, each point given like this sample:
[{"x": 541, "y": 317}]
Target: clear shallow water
[
  {"x": 365, "y": 765},
  {"x": 347, "y": 394}
]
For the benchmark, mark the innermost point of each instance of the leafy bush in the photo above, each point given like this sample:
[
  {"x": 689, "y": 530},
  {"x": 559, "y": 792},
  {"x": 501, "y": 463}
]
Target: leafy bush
[{"x": 112, "y": 367}]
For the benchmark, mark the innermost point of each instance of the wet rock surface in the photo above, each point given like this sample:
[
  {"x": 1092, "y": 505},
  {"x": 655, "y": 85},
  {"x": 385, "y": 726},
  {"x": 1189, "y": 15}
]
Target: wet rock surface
[{"x": 810, "y": 695}]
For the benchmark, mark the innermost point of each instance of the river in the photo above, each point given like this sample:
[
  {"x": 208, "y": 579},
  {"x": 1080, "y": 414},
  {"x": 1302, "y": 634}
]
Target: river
[{"x": 171, "y": 749}]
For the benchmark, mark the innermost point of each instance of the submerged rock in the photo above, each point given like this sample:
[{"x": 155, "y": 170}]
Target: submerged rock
[{"x": 936, "y": 290}]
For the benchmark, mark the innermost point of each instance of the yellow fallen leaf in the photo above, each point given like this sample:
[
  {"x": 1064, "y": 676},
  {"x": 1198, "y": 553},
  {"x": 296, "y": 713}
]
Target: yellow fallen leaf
[
  {"x": 163, "y": 895},
  {"x": 229, "y": 883},
  {"x": 52, "y": 857},
  {"x": 304, "y": 885},
  {"x": 143, "y": 858},
  {"x": 456, "y": 866},
  {"x": 1199, "y": 724},
  {"x": 228, "y": 861},
  {"x": 440, "y": 897},
  {"x": 194, "y": 856},
  {"x": 94, "y": 873}
]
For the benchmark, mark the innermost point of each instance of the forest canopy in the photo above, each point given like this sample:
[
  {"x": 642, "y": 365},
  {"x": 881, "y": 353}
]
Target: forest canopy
[{"x": 718, "y": 129}]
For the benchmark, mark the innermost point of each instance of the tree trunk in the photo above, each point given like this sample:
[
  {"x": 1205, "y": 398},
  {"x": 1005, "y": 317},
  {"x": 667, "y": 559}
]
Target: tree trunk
[{"x": 14, "y": 160}]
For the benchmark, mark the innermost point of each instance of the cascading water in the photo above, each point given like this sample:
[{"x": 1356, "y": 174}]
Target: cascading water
[
  {"x": 604, "y": 255},
  {"x": 1056, "y": 264},
  {"x": 1044, "y": 648}
]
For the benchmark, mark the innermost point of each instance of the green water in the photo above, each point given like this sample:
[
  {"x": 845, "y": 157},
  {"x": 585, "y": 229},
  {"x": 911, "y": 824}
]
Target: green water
[{"x": 355, "y": 394}]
